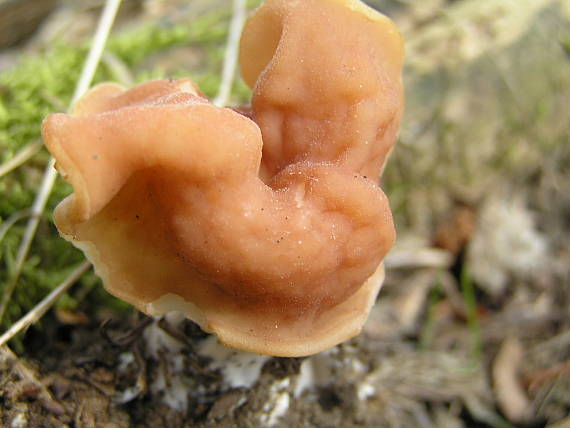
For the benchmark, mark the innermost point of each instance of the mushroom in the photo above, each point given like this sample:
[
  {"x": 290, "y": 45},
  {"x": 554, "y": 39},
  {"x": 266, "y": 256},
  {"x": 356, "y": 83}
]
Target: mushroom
[{"x": 268, "y": 231}]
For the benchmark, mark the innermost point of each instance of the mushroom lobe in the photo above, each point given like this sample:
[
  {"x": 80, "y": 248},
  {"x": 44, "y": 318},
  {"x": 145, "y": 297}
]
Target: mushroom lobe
[{"x": 267, "y": 230}]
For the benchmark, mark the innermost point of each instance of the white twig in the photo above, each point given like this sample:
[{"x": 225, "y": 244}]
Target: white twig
[
  {"x": 231, "y": 54},
  {"x": 50, "y": 174},
  {"x": 41, "y": 308},
  {"x": 418, "y": 258},
  {"x": 97, "y": 46},
  {"x": 31, "y": 227},
  {"x": 21, "y": 157}
]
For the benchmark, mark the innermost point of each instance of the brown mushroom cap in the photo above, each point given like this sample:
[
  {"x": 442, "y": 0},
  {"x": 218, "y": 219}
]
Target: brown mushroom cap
[
  {"x": 176, "y": 208},
  {"x": 324, "y": 71}
]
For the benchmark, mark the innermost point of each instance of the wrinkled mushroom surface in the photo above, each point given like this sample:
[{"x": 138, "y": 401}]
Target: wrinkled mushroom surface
[{"x": 268, "y": 231}]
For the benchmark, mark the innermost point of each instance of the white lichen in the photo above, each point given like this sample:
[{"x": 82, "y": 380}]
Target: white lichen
[
  {"x": 506, "y": 243},
  {"x": 128, "y": 395},
  {"x": 175, "y": 389},
  {"x": 306, "y": 378},
  {"x": 126, "y": 359},
  {"x": 277, "y": 404},
  {"x": 239, "y": 368},
  {"x": 171, "y": 383},
  {"x": 19, "y": 421},
  {"x": 365, "y": 390},
  {"x": 158, "y": 340}
]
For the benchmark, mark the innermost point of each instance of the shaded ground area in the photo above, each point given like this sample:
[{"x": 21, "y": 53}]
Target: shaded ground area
[{"x": 472, "y": 327}]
